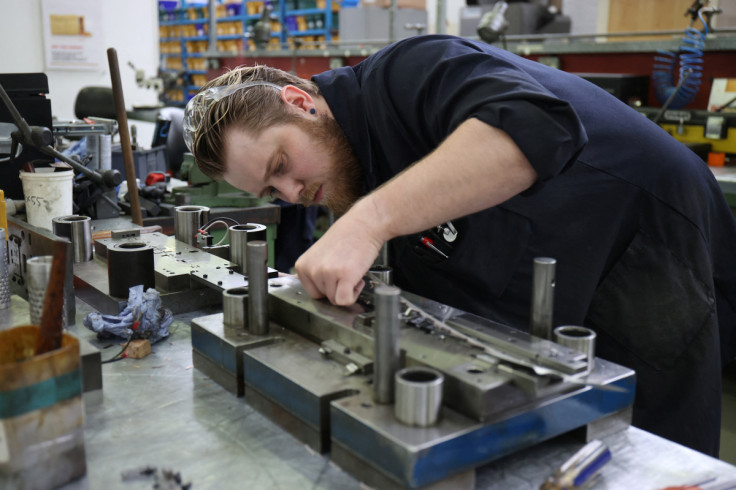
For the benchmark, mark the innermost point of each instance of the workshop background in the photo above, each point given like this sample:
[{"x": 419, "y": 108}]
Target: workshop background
[{"x": 168, "y": 43}]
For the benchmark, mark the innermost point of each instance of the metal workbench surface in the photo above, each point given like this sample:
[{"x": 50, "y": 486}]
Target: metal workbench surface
[{"x": 160, "y": 411}]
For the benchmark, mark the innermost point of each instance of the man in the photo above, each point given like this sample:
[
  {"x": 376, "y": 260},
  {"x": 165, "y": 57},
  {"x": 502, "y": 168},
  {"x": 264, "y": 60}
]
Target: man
[{"x": 473, "y": 162}]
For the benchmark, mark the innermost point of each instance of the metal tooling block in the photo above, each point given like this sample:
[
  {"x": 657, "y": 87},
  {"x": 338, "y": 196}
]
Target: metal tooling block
[
  {"x": 293, "y": 384},
  {"x": 175, "y": 264},
  {"x": 217, "y": 350},
  {"x": 511, "y": 393}
]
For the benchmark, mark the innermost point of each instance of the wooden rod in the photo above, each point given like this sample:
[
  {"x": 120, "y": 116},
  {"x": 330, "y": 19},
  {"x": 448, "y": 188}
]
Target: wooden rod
[
  {"x": 52, "y": 316},
  {"x": 117, "y": 93}
]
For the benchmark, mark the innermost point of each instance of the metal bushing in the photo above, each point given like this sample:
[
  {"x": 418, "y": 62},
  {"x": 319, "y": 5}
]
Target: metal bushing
[
  {"x": 187, "y": 220},
  {"x": 129, "y": 264},
  {"x": 418, "y": 396},
  {"x": 578, "y": 338},
  {"x": 235, "y": 307},
  {"x": 240, "y": 235},
  {"x": 78, "y": 229}
]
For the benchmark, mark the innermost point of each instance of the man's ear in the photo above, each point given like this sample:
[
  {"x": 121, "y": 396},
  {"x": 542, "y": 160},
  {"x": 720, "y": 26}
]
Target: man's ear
[{"x": 297, "y": 98}]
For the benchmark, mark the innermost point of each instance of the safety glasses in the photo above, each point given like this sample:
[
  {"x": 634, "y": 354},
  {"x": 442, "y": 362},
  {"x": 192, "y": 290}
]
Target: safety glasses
[{"x": 199, "y": 106}]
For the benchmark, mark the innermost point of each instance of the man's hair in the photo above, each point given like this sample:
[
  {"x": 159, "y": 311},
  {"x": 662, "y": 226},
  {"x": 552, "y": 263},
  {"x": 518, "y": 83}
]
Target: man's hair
[{"x": 251, "y": 109}]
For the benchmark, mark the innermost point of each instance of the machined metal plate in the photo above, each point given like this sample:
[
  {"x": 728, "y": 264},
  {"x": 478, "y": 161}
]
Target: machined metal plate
[
  {"x": 217, "y": 350},
  {"x": 416, "y": 457},
  {"x": 473, "y": 386},
  {"x": 296, "y": 383},
  {"x": 176, "y": 264}
]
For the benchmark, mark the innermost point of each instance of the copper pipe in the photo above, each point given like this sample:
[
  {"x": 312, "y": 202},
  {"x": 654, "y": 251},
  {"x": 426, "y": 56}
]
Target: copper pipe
[{"x": 122, "y": 117}]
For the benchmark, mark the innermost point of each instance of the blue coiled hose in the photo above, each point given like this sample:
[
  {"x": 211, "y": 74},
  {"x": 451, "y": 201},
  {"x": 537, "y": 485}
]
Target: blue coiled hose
[{"x": 690, "y": 57}]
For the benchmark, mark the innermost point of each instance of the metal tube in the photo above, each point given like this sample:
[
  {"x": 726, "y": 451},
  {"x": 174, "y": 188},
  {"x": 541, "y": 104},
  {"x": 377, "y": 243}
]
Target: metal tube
[
  {"x": 4, "y": 280},
  {"x": 257, "y": 257},
  {"x": 78, "y": 229},
  {"x": 240, "y": 235},
  {"x": 187, "y": 220},
  {"x": 39, "y": 271},
  {"x": 386, "y": 349},
  {"x": 578, "y": 338},
  {"x": 235, "y": 307},
  {"x": 130, "y": 264},
  {"x": 418, "y": 396},
  {"x": 543, "y": 295}
]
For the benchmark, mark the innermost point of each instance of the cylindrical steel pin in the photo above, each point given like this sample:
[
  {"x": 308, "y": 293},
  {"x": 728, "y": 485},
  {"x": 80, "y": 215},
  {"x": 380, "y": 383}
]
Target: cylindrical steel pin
[
  {"x": 543, "y": 295},
  {"x": 386, "y": 348},
  {"x": 256, "y": 259}
]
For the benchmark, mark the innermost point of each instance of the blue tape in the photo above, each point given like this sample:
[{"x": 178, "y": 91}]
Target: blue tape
[{"x": 40, "y": 395}]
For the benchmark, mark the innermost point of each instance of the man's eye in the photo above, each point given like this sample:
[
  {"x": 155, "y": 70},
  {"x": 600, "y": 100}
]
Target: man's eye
[
  {"x": 272, "y": 192},
  {"x": 279, "y": 167}
]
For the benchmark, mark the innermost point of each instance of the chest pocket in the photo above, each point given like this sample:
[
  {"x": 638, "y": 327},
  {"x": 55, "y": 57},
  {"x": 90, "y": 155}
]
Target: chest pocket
[
  {"x": 490, "y": 248},
  {"x": 652, "y": 303}
]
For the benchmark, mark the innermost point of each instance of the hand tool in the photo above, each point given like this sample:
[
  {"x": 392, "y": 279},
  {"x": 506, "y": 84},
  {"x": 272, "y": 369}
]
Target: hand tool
[
  {"x": 117, "y": 92},
  {"x": 49, "y": 337},
  {"x": 580, "y": 468},
  {"x": 427, "y": 242}
]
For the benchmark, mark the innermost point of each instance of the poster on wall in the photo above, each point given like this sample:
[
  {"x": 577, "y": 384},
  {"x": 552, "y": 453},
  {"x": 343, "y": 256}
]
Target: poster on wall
[{"x": 72, "y": 32}]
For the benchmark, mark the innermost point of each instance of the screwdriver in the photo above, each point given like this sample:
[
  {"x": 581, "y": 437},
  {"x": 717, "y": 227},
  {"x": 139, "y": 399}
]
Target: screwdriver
[
  {"x": 427, "y": 242},
  {"x": 580, "y": 468}
]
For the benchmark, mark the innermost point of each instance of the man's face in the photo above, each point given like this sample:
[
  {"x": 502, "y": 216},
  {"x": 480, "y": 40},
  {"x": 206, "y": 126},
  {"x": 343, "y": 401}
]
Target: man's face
[{"x": 307, "y": 161}]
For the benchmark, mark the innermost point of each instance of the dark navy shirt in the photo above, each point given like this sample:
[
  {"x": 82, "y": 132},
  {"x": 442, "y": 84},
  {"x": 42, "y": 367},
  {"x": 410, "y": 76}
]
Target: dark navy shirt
[{"x": 640, "y": 230}]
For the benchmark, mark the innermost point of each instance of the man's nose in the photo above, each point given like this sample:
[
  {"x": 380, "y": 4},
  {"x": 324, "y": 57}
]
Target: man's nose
[{"x": 290, "y": 190}]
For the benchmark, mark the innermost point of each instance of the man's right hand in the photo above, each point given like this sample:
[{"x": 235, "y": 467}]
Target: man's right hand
[{"x": 335, "y": 265}]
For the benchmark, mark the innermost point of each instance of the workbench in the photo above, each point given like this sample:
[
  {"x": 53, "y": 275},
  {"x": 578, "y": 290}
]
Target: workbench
[{"x": 161, "y": 412}]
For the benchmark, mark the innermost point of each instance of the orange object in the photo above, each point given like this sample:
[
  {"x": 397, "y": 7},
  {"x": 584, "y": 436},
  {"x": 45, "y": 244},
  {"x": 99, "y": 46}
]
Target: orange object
[{"x": 716, "y": 159}]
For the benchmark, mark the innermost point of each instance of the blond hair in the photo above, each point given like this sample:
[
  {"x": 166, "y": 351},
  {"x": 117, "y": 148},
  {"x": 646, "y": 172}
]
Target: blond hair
[{"x": 252, "y": 109}]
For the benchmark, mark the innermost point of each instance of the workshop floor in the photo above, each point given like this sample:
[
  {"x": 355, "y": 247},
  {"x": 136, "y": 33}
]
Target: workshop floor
[{"x": 728, "y": 423}]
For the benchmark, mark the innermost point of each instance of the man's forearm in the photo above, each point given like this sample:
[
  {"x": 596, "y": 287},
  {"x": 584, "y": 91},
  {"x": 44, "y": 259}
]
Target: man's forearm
[{"x": 476, "y": 167}]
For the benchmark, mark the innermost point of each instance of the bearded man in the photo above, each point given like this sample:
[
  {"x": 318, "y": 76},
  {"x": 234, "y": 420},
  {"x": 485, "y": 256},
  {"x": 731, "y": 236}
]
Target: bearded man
[{"x": 470, "y": 162}]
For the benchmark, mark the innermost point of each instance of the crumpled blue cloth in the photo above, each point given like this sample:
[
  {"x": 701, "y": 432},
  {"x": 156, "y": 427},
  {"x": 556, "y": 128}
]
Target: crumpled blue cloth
[{"x": 144, "y": 307}]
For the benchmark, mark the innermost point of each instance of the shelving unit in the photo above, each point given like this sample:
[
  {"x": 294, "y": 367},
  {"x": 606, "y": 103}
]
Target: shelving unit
[{"x": 184, "y": 34}]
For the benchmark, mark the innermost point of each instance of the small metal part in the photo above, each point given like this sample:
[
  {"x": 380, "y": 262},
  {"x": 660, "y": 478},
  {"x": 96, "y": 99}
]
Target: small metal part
[
  {"x": 256, "y": 258},
  {"x": 120, "y": 234},
  {"x": 240, "y": 235},
  {"x": 235, "y": 307},
  {"x": 543, "y": 288},
  {"x": 353, "y": 361},
  {"x": 383, "y": 273},
  {"x": 386, "y": 337},
  {"x": 418, "y": 396},
  {"x": 4, "y": 275},
  {"x": 78, "y": 229},
  {"x": 129, "y": 264},
  {"x": 188, "y": 220}
]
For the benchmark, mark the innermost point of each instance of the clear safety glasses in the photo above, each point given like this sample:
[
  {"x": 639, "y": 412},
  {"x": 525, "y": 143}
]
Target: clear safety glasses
[{"x": 197, "y": 108}]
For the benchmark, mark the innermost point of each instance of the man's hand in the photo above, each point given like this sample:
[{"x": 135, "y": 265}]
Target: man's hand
[{"x": 335, "y": 265}]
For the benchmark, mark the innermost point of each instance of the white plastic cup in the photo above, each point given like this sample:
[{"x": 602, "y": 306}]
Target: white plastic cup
[{"x": 48, "y": 195}]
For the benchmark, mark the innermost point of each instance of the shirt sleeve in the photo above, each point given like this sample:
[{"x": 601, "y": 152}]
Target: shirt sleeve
[{"x": 433, "y": 84}]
